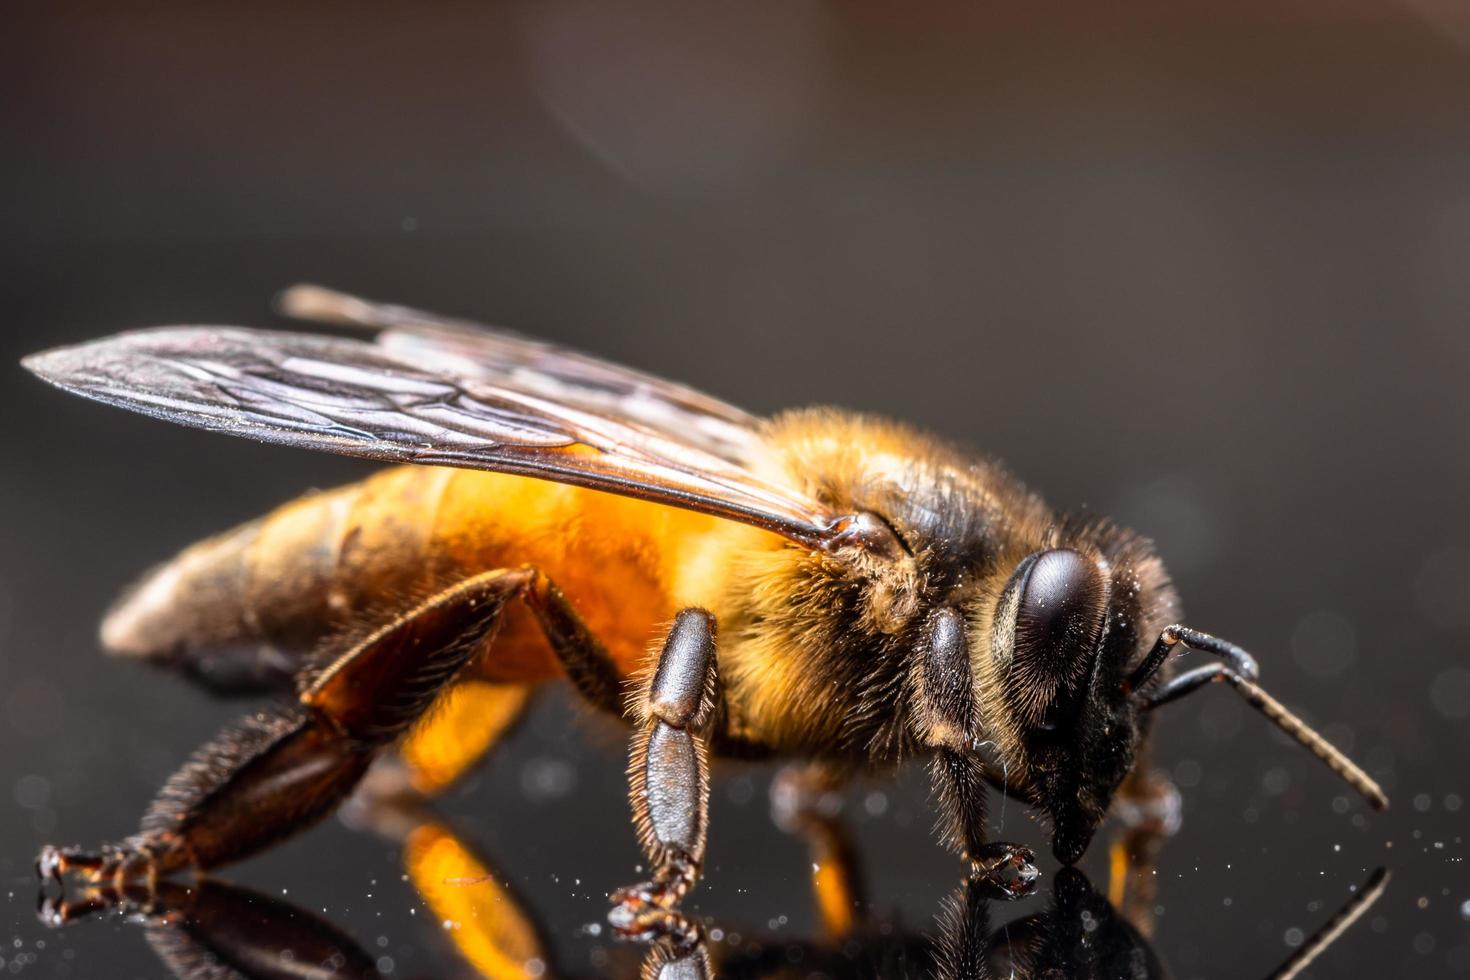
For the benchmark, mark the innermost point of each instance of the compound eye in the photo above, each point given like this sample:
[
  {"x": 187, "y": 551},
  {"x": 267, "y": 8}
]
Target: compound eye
[
  {"x": 1062, "y": 604},
  {"x": 1047, "y": 628}
]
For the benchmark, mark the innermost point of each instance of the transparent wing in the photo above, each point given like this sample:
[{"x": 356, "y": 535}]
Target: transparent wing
[
  {"x": 399, "y": 403},
  {"x": 569, "y": 377}
]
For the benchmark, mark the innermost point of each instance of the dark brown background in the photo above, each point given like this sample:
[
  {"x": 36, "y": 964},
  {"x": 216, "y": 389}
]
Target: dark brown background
[{"x": 1205, "y": 271}]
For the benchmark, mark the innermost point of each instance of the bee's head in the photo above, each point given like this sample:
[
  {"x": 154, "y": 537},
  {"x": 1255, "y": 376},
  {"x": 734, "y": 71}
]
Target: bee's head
[{"x": 1065, "y": 628}]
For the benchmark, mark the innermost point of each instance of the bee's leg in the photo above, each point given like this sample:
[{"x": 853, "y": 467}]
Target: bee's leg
[
  {"x": 1147, "y": 807},
  {"x": 946, "y": 721},
  {"x": 669, "y": 777},
  {"x": 475, "y": 714},
  {"x": 277, "y": 772},
  {"x": 467, "y": 722},
  {"x": 582, "y": 656},
  {"x": 806, "y": 800},
  {"x": 960, "y": 785}
]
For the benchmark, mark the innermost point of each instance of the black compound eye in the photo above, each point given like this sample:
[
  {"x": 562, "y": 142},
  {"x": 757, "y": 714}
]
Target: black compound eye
[
  {"x": 1047, "y": 628},
  {"x": 1061, "y": 604}
]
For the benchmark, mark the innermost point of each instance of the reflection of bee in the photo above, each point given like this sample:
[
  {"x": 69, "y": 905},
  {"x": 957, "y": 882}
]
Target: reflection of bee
[
  {"x": 878, "y": 594},
  {"x": 212, "y": 930}
]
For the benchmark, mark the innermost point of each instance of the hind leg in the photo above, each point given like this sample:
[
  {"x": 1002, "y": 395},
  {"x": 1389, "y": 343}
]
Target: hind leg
[
  {"x": 278, "y": 771},
  {"x": 475, "y": 715},
  {"x": 464, "y": 726}
]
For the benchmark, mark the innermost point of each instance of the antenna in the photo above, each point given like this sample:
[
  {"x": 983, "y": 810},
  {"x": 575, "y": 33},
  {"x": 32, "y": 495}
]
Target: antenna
[{"x": 1240, "y": 672}]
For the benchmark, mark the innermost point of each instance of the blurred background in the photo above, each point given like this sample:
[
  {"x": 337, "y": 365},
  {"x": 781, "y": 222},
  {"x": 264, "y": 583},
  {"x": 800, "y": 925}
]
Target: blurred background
[{"x": 1203, "y": 268}]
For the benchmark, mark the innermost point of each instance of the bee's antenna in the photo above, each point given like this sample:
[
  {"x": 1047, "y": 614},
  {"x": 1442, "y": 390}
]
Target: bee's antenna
[
  {"x": 1240, "y": 673},
  {"x": 1335, "y": 927},
  {"x": 1243, "y": 663}
]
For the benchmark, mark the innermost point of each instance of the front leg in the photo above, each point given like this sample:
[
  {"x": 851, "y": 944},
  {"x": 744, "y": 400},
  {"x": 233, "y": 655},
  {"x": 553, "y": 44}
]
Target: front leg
[
  {"x": 947, "y": 721},
  {"x": 1146, "y": 806},
  {"x": 959, "y": 784},
  {"x": 669, "y": 777}
]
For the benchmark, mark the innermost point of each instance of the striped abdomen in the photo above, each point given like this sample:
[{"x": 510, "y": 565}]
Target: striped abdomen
[{"x": 241, "y": 611}]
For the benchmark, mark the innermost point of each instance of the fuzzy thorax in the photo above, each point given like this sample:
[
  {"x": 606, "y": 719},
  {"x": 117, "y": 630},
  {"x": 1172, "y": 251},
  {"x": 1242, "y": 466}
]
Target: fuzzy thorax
[{"x": 817, "y": 646}]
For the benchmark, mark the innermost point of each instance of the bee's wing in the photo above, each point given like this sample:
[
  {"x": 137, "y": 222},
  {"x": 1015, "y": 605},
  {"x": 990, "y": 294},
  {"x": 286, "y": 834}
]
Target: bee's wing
[
  {"x": 569, "y": 377},
  {"x": 356, "y": 398}
]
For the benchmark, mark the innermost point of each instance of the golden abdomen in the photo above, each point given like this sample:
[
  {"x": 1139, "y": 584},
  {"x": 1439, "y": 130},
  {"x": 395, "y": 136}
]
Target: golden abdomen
[{"x": 260, "y": 598}]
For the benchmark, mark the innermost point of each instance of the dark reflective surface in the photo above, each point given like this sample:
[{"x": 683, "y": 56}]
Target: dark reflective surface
[
  {"x": 211, "y": 929},
  {"x": 1205, "y": 273}
]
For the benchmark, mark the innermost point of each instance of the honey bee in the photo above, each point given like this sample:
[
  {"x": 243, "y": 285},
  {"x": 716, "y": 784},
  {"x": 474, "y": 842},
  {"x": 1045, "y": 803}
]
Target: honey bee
[{"x": 822, "y": 586}]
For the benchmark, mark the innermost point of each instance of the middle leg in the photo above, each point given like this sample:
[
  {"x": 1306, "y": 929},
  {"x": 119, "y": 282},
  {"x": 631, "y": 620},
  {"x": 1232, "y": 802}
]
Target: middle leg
[
  {"x": 669, "y": 777},
  {"x": 806, "y": 800}
]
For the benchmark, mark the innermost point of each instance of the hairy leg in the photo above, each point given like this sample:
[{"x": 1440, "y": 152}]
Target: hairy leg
[
  {"x": 276, "y": 772},
  {"x": 946, "y": 721},
  {"x": 669, "y": 777}
]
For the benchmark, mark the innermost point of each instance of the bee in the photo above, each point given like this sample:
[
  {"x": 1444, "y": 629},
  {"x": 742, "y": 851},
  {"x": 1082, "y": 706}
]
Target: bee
[{"x": 822, "y": 586}]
